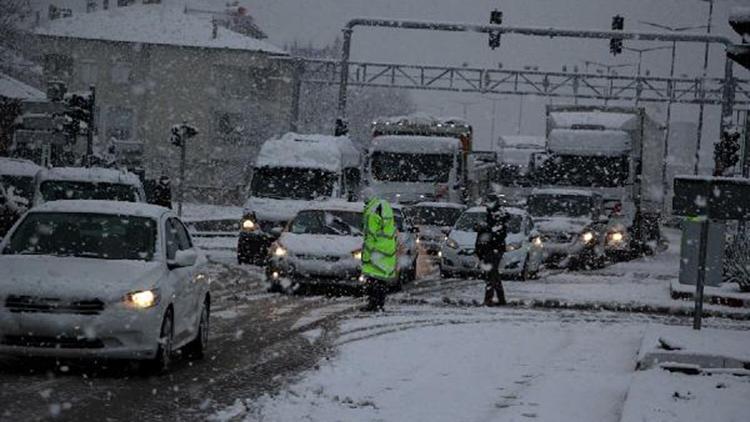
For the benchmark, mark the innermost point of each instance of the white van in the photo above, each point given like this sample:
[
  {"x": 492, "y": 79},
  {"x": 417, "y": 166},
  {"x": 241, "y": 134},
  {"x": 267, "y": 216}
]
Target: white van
[
  {"x": 290, "y": 174},
  {"x": 60, "y": 183}
]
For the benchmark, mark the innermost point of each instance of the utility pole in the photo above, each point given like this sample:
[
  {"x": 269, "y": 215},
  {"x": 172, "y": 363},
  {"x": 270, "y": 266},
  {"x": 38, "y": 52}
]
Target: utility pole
[
  {"x": 178, "y": 137},
  {"x": 703, "y": 81},
  {"x": 670, "y": 93}
]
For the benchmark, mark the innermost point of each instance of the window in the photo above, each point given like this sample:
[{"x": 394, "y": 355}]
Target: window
[
  {"x": 121, "y": 72},
  {"x": 91, "y": 6},
  {"x": 105, "y": 4},
  {"x": 121, "y": 3},
  {"x": 58, "y": 65},
  {"x": 177, "y": 238},
  {"x": 120, "y": 123},
  {"x": 88, "y": 72}
]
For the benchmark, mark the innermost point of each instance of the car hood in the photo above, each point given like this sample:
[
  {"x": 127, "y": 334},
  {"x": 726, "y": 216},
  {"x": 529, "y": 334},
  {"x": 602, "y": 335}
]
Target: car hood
[
  {"x": 71, "y": 277},
  {"x": 467, "y": 240},
  {"x": 320, "y": 244},
  {"x": 280, "y": 210},
  {"x": 561, "y": 224}
]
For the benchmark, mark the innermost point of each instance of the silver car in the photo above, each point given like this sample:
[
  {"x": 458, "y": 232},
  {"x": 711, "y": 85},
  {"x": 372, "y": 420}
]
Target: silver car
[{"x": 102, "y": 279}]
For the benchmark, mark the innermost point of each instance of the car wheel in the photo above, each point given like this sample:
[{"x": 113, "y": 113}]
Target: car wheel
[
  {"x": 163, "y": 359},
  {"x": 196, "y": 349}
]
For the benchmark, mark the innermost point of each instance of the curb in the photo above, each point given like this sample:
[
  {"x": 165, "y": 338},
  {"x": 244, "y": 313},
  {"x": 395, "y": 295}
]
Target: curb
[
  {"x": 677, "y": 292},
  {"x": 584, "y": 306}
]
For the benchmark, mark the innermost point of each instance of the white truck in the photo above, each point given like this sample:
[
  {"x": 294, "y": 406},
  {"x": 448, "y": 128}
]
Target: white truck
[
  {"x": 421, "y": 158},
  {"x": 290, "y": 174},
  {"x": 616, "y": 153}
]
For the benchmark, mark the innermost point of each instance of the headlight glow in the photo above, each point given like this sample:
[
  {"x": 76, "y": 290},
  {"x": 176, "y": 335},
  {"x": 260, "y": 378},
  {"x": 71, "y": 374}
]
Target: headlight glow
[
  {"x": 451, "y": 243},
  {"x": 357, "y": 254},
  {"x": 537, "y": 241},
  {"x": 248, "y": 225},
  {"x": 616, "y": 237},
  {"x": 143, "y": 299},
  {"x": 279, "y": 250},
  {"x": 588, "y": 237}
]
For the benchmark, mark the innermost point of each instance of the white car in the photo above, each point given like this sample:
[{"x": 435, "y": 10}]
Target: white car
[
  {"x": 102, "y": 279},
  {"x": 523, "y": 247},
  {"x": 323, "y": 244}
]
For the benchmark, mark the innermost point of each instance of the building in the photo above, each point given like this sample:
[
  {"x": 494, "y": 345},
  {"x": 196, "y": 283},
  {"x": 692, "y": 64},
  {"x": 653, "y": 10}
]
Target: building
[
  {"x": 12, "y": 92},
  {"x": 154, "y": 66}
]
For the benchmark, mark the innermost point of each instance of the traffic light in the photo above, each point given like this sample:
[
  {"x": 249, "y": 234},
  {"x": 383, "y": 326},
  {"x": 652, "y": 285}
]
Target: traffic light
[
  {"x": 615, "y": 44},
  {"x": 727, "y": 152},
  {"x": 496, "y": 18},
  {"x": 739, "y": 20}
]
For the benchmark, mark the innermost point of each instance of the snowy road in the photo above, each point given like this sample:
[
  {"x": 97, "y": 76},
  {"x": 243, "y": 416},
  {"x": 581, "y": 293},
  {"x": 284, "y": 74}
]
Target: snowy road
[{"x": 420, "y": 357}]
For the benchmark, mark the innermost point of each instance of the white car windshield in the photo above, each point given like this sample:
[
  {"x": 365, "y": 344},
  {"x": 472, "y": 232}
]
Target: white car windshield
[
  {"x": 339, "y": 223},
  {"x": 559, "y": 205},
  {"x": 469, "y": 220},
  {"x": 292, "y": 183},
  {"x": 99, "y": 236}
]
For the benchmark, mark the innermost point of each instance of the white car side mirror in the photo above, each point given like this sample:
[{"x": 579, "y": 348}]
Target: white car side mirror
[{"x": 183, "y": 258}]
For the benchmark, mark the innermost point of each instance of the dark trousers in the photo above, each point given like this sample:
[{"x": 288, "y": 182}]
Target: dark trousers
[
  {"x": 494, "y": 284},
  {"x": 376, "y": 291}
]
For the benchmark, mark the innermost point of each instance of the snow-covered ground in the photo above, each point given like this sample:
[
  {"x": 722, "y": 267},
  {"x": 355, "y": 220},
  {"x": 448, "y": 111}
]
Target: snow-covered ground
[{"x": 485, "y": 365}]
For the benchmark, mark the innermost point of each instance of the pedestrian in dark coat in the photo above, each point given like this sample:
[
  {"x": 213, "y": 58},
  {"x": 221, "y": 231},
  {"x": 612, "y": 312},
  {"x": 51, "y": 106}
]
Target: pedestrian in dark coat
[{"x": 490, "y": 247}]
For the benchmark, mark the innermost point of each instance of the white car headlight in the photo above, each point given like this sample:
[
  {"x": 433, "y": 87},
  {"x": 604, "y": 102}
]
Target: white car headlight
[
  {"x": 588, "y": 237},
  {"x": 616, "y": 237},
  {"x": 357, "y": 254},
  {"x": 143, "y": 299},
  {"x": 451, "y": 243},
  {"x": 537, "y": 241},
  {"x": 278, "y": 250}
]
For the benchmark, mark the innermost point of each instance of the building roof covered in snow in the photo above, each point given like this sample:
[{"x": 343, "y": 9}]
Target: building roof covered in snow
[
  {"x": 165, "y": 25},
  {"x": 522, "y": 142},
  {"x": 561, "y": 192},
  {"x": 18, "y": 167},
  {"x": 15, "y": 89},
  {"x": 308, "y": 151}
]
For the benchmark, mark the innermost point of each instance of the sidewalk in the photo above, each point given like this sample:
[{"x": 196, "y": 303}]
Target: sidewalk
[{"x": 686, "y": 375}]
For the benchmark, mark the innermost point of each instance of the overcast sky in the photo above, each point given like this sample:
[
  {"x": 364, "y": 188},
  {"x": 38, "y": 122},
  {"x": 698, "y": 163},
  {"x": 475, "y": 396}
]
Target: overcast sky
[{"x": 319, "y": 22}]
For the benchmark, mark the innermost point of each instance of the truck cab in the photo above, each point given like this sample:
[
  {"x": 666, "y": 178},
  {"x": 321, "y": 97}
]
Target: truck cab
[{"x": 290, "y": 174}]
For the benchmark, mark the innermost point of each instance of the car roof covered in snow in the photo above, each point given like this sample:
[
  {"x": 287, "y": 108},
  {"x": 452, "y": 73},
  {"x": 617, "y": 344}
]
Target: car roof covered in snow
[
  {"x": 164, "y": 24},
  {"x": 509, "y": 210},
  {"x": 522, "y": 142},
  {"x": 18, "y": 167},
  {"x": 439, "y": 205},
  {"x": 337, "y": 206},
  {"x": 90, "y": 174},
  {"x": 415, "y": 144},
  {"x": 103, "y": 207},
  {"x": 561, "y": 192},
  {"x": 308, "y": 151}
]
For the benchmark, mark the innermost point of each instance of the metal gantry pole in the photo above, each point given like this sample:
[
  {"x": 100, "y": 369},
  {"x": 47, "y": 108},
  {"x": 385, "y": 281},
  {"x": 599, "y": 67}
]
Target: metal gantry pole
[
  {"x": 181, "y": 189},
  {"x": 701, "y": 106},
  {"x": 667, "y": 126},
  {"x": 344, "y": 81}
]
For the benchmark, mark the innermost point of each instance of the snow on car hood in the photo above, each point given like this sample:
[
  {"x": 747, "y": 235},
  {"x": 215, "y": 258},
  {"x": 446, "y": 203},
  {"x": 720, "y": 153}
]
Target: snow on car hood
[
  {"x": 560, "y": 224},
  {"x": 320, "y": 244},
  {"x": 268, "y": 209},
  {"x": 467, "y": 240},
  {"x": 70, "y": 277}
]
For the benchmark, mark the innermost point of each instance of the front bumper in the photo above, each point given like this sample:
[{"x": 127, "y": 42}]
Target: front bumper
[
  {"x": 463, "y": 263},
  {"x": 116, "y": 332},
  {"x": 344, "y": 271}
]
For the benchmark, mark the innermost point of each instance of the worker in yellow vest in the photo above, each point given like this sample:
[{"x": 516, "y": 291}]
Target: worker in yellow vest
[{"x": 379, "y": 252}]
